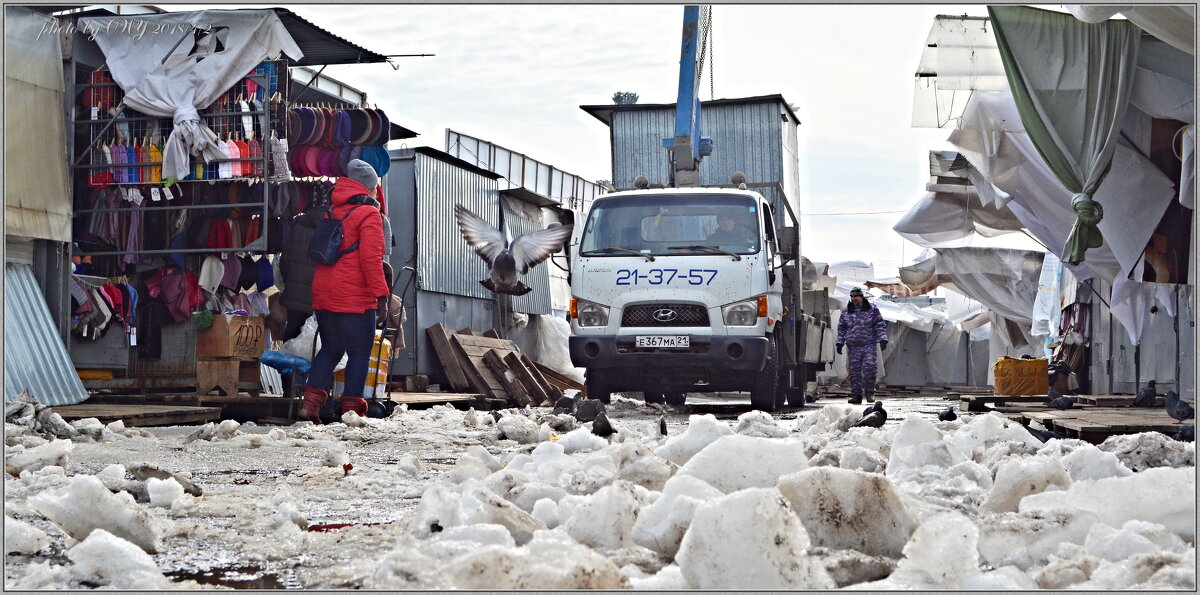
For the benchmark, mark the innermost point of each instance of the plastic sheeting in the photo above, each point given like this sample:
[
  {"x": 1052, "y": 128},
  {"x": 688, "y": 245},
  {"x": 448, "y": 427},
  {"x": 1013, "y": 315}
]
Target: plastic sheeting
[
  {"x": 219, "y": 47},
  {"x": 1175, "y": 25},
  {"x": 544, "y": 340},
  {"x": 1005, "y": 281},
  {"x": 943, "y": 220}
]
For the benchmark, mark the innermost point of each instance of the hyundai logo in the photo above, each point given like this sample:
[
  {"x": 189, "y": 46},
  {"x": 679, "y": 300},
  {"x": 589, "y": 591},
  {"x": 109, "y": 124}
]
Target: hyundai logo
[{"x": 665, "y": 315}]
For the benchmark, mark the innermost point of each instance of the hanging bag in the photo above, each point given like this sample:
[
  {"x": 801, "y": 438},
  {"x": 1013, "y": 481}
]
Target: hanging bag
[{"x": 325, "y": 246}]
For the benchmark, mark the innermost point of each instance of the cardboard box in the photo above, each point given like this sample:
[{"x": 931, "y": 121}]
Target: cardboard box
[
  {"x": 1021, "y": 377},
  {"x": 231, "y": 336}
]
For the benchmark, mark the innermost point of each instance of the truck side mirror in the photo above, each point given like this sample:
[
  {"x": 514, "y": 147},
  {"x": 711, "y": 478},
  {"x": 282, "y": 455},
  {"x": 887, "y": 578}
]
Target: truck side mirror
[{"x": 789, "y": 242}]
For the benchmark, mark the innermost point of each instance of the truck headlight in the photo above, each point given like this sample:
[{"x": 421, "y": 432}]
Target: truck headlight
[
  {"x": 743, "y": 313},
  {"x": 591, "y": 314}
]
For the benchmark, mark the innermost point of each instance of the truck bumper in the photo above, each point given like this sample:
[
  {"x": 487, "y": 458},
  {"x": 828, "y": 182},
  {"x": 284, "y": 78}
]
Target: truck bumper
[{"x": 712, "y": 353}]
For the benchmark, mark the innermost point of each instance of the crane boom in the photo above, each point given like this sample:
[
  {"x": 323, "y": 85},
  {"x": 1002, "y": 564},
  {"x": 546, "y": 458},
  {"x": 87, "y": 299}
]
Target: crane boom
[{"x": 688, "y": 146}]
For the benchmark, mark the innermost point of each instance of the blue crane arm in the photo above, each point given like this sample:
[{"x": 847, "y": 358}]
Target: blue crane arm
[{"x": 688, "y": 145}]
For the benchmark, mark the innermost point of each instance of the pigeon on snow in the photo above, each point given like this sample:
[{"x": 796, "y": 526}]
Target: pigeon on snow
[
  {"x": 1178, "y": 408},
  {"x": 602, "y": 427},
  {"x": 507, "y": 257},
  {"x": 947, "y": 415},
  {"x": 1056, "y": 400},
  {"x": 874, "y": 419},
  {"x": 1147, "y": 396},
  {"x": 1044, "y": 435},
  {"x": 662, "y": 425}
]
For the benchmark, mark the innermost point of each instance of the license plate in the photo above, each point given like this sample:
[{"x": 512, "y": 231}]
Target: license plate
[{"x": 668, "y": 342}]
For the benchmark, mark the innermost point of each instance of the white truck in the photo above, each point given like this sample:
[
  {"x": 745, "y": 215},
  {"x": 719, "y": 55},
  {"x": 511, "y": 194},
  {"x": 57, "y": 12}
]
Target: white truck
[{"x": 679, "y": 290}]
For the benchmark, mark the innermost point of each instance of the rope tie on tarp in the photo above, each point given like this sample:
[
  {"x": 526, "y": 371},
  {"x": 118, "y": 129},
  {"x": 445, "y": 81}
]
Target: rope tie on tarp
[{"x": 1085, "y": 233}]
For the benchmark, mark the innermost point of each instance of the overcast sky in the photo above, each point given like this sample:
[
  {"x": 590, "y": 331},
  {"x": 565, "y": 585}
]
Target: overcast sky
[{"x": 516, "y": 76}]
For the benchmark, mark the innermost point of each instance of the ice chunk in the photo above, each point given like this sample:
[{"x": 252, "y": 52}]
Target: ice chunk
[
  {"x": 661, "y": 525},
  {"x": 438, "y": 510},
  {"x": 649, "y": 471},
  {"x": 942, "y": 554},
  {"x": 1006, "y": 578},
  {"x": 114, "y": 561},
  {"x": 861, "y": 459},
  {"x": 736, "y": 462},
  {"x": 1019, "y": 478},
  {"x": 606, "y": 519},
  {"x": 464, "y": 539},
  {"x": 1161, "y": 495},
  {"x": 1157, "y": 534},
  {"x": 114, "y": 471},
  {"x": 1115, "y": 545},
  {"x": 409, "y": 464},
  {"x": 546, "y": 511},
  {"x": 519, "y": 428},
  {"x": 1061, "y": 573},
  {"x": 1089, "y": 462},
  {"x": 548, "y": 448},
  {"x": 227, "y": 429},
  {"x": 581, "y": 440},
  {"x": 163, "y": 492},
  {"x": 86, "y": 505},
  {"x": 702, "y": 430},
  {"x": 551, "y": 561},
  {"x": 287, "y": 514},
  {"x": 90, "y": 427},
  {"x": 1150, "y": 449},
  {"x": 526, "y": 495},
  {"x": 831, "y": 418},
  {"x": 847, "y": 509},
  {"x": 1030, "y": 538},
  {"x": 749, "y": 540},
  {"x": 848, "y": 567},
  {"x": 116, "y": 427},
  {"x": 760, "y": 424},
  {"x": 918, "y": 443},
  {"x": 496, "y": 510},
  {"x": 52, "y": 453},
  {"x": 992, "y": 455},
  {"x": 1157, "y": 570},
  {"x": 670, "y": 578},
  {"x": 986, "y": 430},
  {"x": 22, "y": 538}
]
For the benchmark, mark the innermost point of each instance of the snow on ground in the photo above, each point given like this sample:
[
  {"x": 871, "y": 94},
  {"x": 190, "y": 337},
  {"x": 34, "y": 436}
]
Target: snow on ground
[{"x": 441, "y": 499}]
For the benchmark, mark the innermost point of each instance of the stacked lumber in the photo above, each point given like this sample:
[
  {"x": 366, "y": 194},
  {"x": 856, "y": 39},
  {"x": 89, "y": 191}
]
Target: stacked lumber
[{"x": 491, "y": 366}]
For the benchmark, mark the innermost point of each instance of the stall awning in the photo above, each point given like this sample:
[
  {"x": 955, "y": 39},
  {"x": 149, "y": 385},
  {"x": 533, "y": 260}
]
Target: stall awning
[
  {"x": 321, "y": 46},
  {"x": 529, "y": 196}
]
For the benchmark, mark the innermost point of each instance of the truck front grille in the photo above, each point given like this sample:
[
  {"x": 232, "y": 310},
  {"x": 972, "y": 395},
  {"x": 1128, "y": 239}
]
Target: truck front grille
[{"x": 659, "y": 315}]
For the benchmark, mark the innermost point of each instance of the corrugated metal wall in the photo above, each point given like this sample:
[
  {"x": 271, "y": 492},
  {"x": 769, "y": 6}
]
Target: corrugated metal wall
[
  {"x": 37, "y": 198},
  {"x": 34, "y": 355},
  {"x": 520, "y": 218},
  {"x": 445, "y": 263},
  {"x": 746, "y": 137},
  {"x": 402, "y": 209},
  {"x": 1187, "y": 341}
]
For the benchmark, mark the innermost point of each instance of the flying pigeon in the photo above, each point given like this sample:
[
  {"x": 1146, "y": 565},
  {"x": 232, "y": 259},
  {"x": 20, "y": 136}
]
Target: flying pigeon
[
  {"x": 1178, "y": 408},
  {"x": 507, "y": 257},
  {"x": 1147, "y": 396},
  {"x": 601, "y": 427},
  {"x": 874, "y": 419},
  {"x": 947, "y": 415}
]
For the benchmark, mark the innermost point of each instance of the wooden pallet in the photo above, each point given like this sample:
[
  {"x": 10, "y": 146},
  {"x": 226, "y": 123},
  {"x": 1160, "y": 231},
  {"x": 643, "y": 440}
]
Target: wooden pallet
[
  {"x": 978, "y": 403},
  {"x": 138, "y": 384},
  {"x": 229, "y": 375},
  {"x": 1095, "y": 424},
  {"x": 490, "y": 366},
  {"x": 561, "y": 382},
  {"x": 140, "y": 415},
  {"x": 1115, "y": 400}
]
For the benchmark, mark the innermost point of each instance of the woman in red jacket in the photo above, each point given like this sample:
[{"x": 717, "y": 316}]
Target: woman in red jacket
[{"x": 345, "y": 295}]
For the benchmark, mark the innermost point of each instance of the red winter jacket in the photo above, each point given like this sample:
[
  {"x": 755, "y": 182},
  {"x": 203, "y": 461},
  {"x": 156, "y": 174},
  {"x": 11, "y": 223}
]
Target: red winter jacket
[{"x": 355, "y": 282}]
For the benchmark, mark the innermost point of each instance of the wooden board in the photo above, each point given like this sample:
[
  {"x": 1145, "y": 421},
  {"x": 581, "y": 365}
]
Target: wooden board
[
  {"x": 434, "y": 398},
  {"x": 516, "y": 391},
  {"x": 132, "y": 384},
  {"x": 553, "y": 393},
  {"x": 491, "y": 333},
  {"x": 486, "y": 342},
  {"x": 480, "y": 376},
  {"x": 140, "y": 415},
  {"x": 1115, "y": 400},
  {"x": 559, "y": 380},
  {"x": 1094, "y": 424},
  {"x": 536, "y": 390},
  {"x": 440, "y": 337}
]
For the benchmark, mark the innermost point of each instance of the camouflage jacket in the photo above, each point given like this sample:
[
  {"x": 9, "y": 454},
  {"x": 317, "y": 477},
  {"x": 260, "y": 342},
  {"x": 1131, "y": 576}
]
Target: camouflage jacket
[{"x": 862, "y": 327}]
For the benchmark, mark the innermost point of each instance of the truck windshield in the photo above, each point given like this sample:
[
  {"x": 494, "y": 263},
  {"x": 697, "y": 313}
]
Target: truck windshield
[{"x": 671, "y": 225}]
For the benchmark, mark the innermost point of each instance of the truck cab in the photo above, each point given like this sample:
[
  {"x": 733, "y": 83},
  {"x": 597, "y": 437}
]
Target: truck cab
[{"x": 679, "y": 290}]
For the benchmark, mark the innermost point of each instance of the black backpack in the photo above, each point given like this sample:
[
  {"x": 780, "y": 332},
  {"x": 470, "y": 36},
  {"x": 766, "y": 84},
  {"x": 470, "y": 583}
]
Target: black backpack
[{"x": 324, "y": 248}]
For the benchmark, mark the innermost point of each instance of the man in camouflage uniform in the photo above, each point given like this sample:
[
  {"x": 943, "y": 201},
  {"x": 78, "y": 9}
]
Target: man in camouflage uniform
[{"x": 861, "y": 326}]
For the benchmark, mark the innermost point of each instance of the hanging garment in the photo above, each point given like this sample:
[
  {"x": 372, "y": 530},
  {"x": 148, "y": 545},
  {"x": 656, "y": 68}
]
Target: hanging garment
[
  {"x": 133, "y": 241},
  {"x": 255, "y": 150},
  {"x": 155, "y": 156},
  {"x": 219, "y": 235},
  {"x": 266, "y": 274},
  {"x": 232, "y": 274},
  {"x": 210, "y": 274},
  {"x": 279, "y": 160},
  {"x": 244, "y": 150},
  {"x": 132, "y": 174},
  {"x": 225, "y": 168},
  {"x": 118, "y": 158}
]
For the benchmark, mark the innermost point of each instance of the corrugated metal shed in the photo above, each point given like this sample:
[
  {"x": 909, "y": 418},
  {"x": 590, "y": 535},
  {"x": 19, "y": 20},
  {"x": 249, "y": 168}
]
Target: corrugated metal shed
[
  {"x": 37, "y": 201},
  {"x": 34, "y": 355},
  {"x": 754, "y": 135},
  {"x": 445, "y": 263},
  {"x": 520, "y": 218}
]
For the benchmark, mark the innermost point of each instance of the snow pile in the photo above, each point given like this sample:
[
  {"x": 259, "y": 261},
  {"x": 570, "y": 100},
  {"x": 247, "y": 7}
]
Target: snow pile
[
  {"x": 830, "y": 418},
  {"x": 1150, "y": 449},
  {"x": 1018, "y": 478},
  {"x": 661, "y": 525},
  {"x": 849, "y": 510},
  {"x": 942, "y": 554},
  {"x": 1089, "y": 462},
  {"x": 737, "y": 462},
  {"x": 702, "y": 430},
  {"x": 1030, "y": 538},
  {"x": 163, "y": 492},
  {"x": 86, "y": 505},
  {"x": 918, "y": 444},
  {"x": 1162, "y": 495},
  {"x": 22, "y": 538},
  {"x": 110, "y": 560},
  {"x": 606, "y": 520},
  {"x": 551, "y": 560},
  {"x": 760, "y": 424},
  {"x": 33, "y": 459},
  {"x": 750, "y": 539}
]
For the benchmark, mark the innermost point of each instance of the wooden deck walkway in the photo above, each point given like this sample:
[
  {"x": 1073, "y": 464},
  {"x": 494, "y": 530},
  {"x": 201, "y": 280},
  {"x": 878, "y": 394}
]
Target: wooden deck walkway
[
  {"x": 1095, "y": 424},
  {"x": 140, "y": 415}
]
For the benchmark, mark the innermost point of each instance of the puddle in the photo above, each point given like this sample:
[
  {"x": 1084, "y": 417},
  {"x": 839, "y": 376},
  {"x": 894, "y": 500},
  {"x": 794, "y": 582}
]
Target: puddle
[
  {"x": 242, "y": 577},
  {"x": 326, "y": 527}
]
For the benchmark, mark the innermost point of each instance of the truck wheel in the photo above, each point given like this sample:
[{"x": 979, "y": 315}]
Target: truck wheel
[
  {"x": 764, "y": 390},
  {"x": 676, "y": 398},
  {"x": 652, "y": 397},
  {"x": 598, "y": 389}
]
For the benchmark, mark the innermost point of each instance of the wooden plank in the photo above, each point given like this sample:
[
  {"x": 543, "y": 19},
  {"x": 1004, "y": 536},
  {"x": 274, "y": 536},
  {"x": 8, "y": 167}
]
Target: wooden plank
[
  {"x": 526, "y": 378},
  {"x": 552, "y": 392},
  {"x": 516, "y": 390},
  {"x": 560, "y": 380},
  {"x": 481, "y": 379},
  {"x": 491, "y": 333},
  {"x": 140, "y": 415},
  {"x": 440, "y": 337},
  {"x": 465, "y": 331},
  {"x": 434, "y": 398},
  {"x": 487, "y": 342},
  {"x": 239, "y": 399},
  {"x": 173, "y": 382}
]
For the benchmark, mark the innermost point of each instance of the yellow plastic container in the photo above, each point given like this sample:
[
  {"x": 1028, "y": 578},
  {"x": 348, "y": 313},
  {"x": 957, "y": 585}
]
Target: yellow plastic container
[
  {"x": 377, "y": 373},
  {"x": 1021, "y": 377}
]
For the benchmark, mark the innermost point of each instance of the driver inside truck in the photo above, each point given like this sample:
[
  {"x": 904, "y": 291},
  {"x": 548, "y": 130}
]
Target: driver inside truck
[{"x": 727, "y": 232}]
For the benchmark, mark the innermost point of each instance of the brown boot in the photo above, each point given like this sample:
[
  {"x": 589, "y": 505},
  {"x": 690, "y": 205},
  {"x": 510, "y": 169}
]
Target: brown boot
[
  {"x": 870, "y": 398},
  {"x": 854, "y": 400},
  {"x": 314, "y": 398},
  {"x": 355, "y": 404}
]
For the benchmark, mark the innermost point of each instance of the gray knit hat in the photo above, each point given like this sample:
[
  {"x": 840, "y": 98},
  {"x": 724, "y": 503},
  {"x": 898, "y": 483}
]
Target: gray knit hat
[{"x": 360, "y": 171}]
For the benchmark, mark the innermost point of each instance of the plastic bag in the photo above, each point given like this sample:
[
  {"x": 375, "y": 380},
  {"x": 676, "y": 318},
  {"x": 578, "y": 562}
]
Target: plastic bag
[{"x": 307, "y": 344}]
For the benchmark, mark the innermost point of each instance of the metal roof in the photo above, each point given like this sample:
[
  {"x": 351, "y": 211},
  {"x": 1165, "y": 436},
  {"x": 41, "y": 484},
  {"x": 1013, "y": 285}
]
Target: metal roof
[
  {"x": 321, "y": 46},
  {"x": 455, "y": 161},
  {"x": 604, "y": 113},
  {"x": 529, "y": 196},
  {"x": 35, "y": 358}
]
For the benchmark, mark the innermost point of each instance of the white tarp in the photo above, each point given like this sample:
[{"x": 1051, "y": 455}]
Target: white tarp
[
  {"x": 1175, "y": 25},
  {"x": 943, "y": 220},
  {"x": 219, "y": 47},
  {"x": 1003, "y": 280}
]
